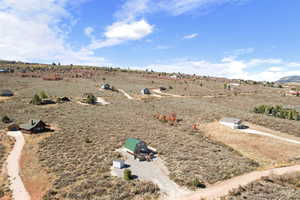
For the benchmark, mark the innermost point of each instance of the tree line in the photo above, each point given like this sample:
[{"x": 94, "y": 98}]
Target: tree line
[{"x": 278, "y": 111}]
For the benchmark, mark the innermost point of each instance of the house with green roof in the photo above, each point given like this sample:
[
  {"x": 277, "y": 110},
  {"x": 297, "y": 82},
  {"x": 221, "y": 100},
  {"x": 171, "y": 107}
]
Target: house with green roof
[{"x": 135, "y": 146}]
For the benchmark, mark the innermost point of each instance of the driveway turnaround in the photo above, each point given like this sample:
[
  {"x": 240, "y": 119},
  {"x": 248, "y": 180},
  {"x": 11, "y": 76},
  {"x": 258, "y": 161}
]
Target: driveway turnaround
[
  {"x": 102, "y": 101},
  {"x": 154, "y": 171},
  {"x": 13, "y": 167},
  {"x": 255, "y": 132}
]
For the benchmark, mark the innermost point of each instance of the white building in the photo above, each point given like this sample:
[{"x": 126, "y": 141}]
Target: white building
[
  {"x": 118, "y": 164},
  {"x": 232, "y": 123}
]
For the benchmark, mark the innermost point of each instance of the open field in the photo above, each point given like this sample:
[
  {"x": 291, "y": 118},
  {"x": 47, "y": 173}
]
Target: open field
[
  {"x": 274, "y": 187},
  {"x": 77, "y": 158},
  {"x": 6, "y": 144},
  {"x": 267, "y": 151}
]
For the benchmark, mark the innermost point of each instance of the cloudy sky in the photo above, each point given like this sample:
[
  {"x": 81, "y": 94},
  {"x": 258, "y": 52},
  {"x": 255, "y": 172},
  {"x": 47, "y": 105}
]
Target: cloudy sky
[{"x": 249, "y": 39}]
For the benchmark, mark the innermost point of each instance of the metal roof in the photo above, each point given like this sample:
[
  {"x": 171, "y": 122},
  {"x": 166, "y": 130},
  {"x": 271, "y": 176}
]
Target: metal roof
[
  {"x": 231, "y": 120},
  {"x": 31, "y": 124},
  {"x": 131, "y": 143}
]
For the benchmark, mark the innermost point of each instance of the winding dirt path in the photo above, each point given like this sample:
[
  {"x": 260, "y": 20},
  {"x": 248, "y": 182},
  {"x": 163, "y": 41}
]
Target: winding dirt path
[
  {"x": 126, "y": 94},
  {"x": 102, "y": 101},
  {"x": 221, "y": 189},
  {"x": 166, "y": 94},
  {"x": 13, "y": 167}
]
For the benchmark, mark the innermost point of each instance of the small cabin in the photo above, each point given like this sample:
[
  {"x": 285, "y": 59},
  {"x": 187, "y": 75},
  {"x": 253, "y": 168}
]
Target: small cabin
[
  {"x": 232, "y": 122},
  {"x": 6, "y": 93},
  {"x": 34, "y": 126},
  {"x": 145, "y": 91},
  {"x": 106, "y": 87}
]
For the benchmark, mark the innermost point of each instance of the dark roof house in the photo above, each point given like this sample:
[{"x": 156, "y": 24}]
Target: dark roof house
[
  {"x": 106, "y": 87},
  {"x": 6, "y": 93},
  {"x": 145, "y": 91},
  {"x": 34, "y": 126}
]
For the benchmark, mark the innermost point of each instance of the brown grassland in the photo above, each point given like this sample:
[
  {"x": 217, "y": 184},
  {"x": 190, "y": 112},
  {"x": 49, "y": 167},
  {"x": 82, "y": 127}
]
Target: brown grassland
[
  {"x": 77, "y": 169},
  {"x": 274, "y": 187}
]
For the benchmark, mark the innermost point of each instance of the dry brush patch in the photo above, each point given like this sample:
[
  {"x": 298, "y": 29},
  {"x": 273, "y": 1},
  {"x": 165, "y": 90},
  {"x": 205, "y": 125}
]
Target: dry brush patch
[
  {"x": 6, "y": 145},
  {"x": 274, "y": 187},
  {"x": 82, "y": 170}
]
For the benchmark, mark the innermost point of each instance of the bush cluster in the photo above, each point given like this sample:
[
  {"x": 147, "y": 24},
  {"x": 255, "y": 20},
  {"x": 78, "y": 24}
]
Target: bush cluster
[{"x": 278, "y": 111}]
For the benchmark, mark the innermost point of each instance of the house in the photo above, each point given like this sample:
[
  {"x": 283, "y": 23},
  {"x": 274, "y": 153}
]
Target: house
[
  {"x": 6, "y": 93},
  {"x": 232, "y": 122},
  {"x": 145, "y": 91},
  {"x": 106, "y": 87},
  {"x": 118, "y": 164},
  {"x": 294, "y": 92},
  {"x": 34, "y": 126},
  {"x": 4, "y": 71},
  {"x": 138, "y": 148}
]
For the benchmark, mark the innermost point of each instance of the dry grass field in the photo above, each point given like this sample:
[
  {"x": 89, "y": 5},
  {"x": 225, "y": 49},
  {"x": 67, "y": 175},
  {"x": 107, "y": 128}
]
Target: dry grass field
[
  {"x": 6, "y": 144},
  {"x": 275, "y": 188},
  {"x": 81, "y": 170},
  {"x": 268, "y": 152}
]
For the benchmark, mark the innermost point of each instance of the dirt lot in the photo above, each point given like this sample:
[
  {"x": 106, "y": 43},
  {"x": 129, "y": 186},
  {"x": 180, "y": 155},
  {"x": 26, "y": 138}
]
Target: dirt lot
[
  {"x": 79, "y": 156},
  {"x": 266, "y": 151}
]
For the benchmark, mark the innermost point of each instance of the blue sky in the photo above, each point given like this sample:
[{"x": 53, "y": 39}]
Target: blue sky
[{"x": 249, "y": 39}]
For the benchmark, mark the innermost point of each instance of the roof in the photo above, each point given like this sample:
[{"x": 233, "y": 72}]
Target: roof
[
  {"x": 31, "y": 124},
  {"x": 6, "y": 93},
  {"x": 231, "y": 120},
  {"x": 146, "y": 91},
  {"x": 131, "y": 143}
]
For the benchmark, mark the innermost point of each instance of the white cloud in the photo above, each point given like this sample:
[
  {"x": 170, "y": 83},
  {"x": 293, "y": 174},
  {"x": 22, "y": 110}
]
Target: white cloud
[
  {"x": 129, "y": 31},
  {"x": 239, "y": 52},
  {"x": 132, "y": 9},
  {"x": 88, "y": 31},
  {"x": 229, "y": 67},
  {"x": 163, "y": 47},
  {"x": 191, "y": 36},
  {"x": 179, "y": 7},
  {"x": 121, "y": 32},
  {"x": 275, "y": 69},
  {"x": 34, "y": 30}
]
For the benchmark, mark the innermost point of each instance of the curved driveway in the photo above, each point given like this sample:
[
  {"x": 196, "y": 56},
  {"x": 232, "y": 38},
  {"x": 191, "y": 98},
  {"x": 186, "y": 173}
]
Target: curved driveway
[{"x": 13, "y": 167}]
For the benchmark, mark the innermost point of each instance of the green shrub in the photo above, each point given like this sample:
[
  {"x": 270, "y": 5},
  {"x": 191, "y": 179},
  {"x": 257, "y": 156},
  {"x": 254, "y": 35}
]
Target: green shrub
[
  {"x": 127, "y": 175},
  {"x": 196, "y": 183},
  {"x": 91, "y": 99},
  {"x": 36, "y": 100},
  {"x": 43, "y": 95},
  {"x": 5, "y": 120}
]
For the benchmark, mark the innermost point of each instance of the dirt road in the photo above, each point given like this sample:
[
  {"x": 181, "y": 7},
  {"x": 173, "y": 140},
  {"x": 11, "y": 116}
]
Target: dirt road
[
  {"x": 126, "y": 94},
  {"x": 13, "y": 167},
  {"x": 102, "y": 101},
  {"x": 221, "y": 189},
  {"x": 255, "y": 132},
  {"x": 166, "y": 94}
]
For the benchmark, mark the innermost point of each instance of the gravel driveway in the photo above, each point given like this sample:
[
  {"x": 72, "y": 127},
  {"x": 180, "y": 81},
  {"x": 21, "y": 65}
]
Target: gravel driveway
[
  {"x": 154, "y": 171},
  {"x": 13, "y": 167}
]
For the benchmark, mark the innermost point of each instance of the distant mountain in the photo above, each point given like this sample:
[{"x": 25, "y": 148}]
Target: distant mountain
[{"x": 289, "y": 79}]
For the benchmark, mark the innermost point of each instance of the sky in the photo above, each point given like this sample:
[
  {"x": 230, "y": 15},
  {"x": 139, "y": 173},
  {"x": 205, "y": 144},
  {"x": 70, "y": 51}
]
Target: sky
[{"x": 247, "y": 39}]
